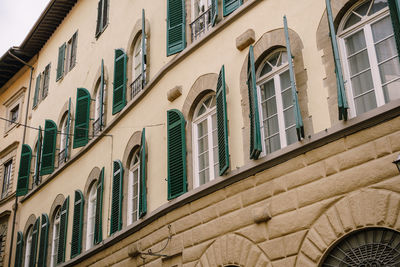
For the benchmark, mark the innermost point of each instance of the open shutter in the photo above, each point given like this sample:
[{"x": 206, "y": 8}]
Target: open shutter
[
  {"x": 222, "y": 123},
  {"x": 176, "y": 35},
  {"x": 116, "y": 201},
  {"x": 101, "y": 88},
  {"x": 214, "y": 12},
  {"x": 394, "y": 7},
  {"x": 62, "y": 241},
  {"x": 229, "y": 6},
  {"x": 98, "y": 226},
  {"x": 35, "y": 235},
  {"x": 60, "y": 64},
  {"x": 341, "y": 91},
  {"x": 24, "y": 170},
  {"x": 296, "y": 107},
  {"x": 76, "y": 241},
  {"x": 144, "y": 51},
  {"x": 105, "y": 14},
  {"x": 49, "y": 147},
  {"x": 255, "y": 133},
  {"x": 19, "y": 249},
  {"x": 44, "y": 236},
  {"x": 142, "y": 183},
  {"x": 37, "y": 90},
  {"x": 38, "y": 156},
  {"x": 99, "y": 19},
  {"x": 67, "y": 132},
  {"x": 81, "y": 130},
  {"x": 177, "y": 184},
  {"x": 119, "y": 99}
]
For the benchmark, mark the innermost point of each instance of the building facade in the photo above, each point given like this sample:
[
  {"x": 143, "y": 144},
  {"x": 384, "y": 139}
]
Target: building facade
[{"x": 202, "y": 133}]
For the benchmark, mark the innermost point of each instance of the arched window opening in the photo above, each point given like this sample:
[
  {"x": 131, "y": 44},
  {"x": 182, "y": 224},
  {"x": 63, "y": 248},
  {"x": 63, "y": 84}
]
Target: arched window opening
[
  {"x": 138, "y": 67},
  {"x": 55, "y": 238},
  {"x": 62, "y": 155},
  {"x": 91, "y": 216},
  {"x": 134, "y": 187},
  {"x": 28, "y": 247}
]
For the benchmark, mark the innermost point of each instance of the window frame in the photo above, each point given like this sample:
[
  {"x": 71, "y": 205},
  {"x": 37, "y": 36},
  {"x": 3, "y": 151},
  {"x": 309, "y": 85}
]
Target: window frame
[
  {"x": 70, "y": 55},
  {"x": 91, "y": 220},
  {"x": 7, "y": 171},
  {"x": 55, "y": 237},
  {"x": 134, "y": 166},
  {"x": 10, "y": 104},
  {"x": 28, "y": 245},
  {"x": 100, "y": 16}
]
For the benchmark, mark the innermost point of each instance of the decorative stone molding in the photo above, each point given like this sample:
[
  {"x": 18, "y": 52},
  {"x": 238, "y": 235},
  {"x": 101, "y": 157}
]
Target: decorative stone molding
[
  {"x": 31, "y": 220},
  {"x": 174, "y": 93},
  {"x": 245, "y": 39}
]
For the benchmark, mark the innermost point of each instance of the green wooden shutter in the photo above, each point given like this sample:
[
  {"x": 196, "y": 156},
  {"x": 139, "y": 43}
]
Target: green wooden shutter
[
  {"x": 176, "y": 26},
  {"x": 24, "y": 170},
  {"x": 60, "y": 65},
  {"x": 228, "y": 6},
  {"x": 222, "y": 123},
  {"x": 98, "y": 226},
  {"x": 119, "y": 99},
  {"x": 37, "y": 90},
  {"x": 101, "y": 88},
  {"x": 68, "y": 126},
  {"x": 81, "y": 129},
  {"x": 394, "y": 7},
  {"x": 341, "y": 90},
  {"x": 177, "y": 183},
  {"x": 116, "y": 201},
  {"x": 105, "y": 14},
  {"x": 255, "y": 133},
  {"x": 76, "y": 241},
  {"x": 144, "y": 51},
  {"x": 19, "y": 250},
  {"x": 44, "y": 236},
  {"x": 296, "y": 106},
  {"x": 38, "y": 156},
  {"x": 35, "y": 235},
  {"x": 49, "y": 147},
  {"x": 62, "y": 241},
  {"x": 99, "y": 19},
  {"x": 143, "y": 190},
  {"x": 214, "y": 12}
]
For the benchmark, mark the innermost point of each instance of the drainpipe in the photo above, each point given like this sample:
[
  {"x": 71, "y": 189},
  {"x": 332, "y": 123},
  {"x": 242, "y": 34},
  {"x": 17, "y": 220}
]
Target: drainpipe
[{"x": 15, "y": 207}]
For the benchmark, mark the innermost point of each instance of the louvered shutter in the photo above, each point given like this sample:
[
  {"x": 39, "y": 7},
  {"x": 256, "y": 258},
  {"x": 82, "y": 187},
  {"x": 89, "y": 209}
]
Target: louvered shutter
[
  {"x": 144, "y": 51},
  {"x": 116, "y": 201},
  {"x": 60, "y": 64},
  {"x": 35, "y": 235},
  {"x": 214, "y": 12},
  {"x": 44, "y": 236},
  {"x": 105, "y": 14},
  {"x": 37, "y": 90},
  {"x": 39, "y": 147},
  {"x": 255, "y": 133},
  {"x": 341, "y": 91},
  {"x": 142, "y": 183},
  {"x": 229, "y": 6},
  {"x": 24, "y": 170},
  {"x": 119, "y": 99},
  {"x": 74, "y": 44},
  {"x": 394, "y": 7},
  {"x": 99, "y": 19},
  {"x": 98, "y": 226},
  {"x": 177, "y": 184},
  {"x": 46, "y": 81},
  {"x": 176, "y": 36},
  {"x": 296, "y": 106},
  {"x": 76, "y": 241},
  {"x": 222, "y": 123},
  {"x": 62, "y": 241},
  {"x": 19, "y": 248},
  {"x": 81, "y": 130},
  {"x": 68, "y": 131},
  {"x": 49, "y": 147},
  {"x": 101, "y": 88}
]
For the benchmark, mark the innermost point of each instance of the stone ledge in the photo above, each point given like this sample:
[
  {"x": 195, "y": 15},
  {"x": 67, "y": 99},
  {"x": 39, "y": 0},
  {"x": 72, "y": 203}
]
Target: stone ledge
[{"x": 245, "y": 39}]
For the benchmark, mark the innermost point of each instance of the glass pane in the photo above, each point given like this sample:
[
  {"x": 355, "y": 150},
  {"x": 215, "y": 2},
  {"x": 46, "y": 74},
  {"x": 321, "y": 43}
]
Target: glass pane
[
  {"x": 266, "y": 68},
  {"x": 285, "y": 80},
  {"x": 382, "y": 29},
  {"x": 216, "y": 170},
  {"x": 207, "y": 102},
  {"x": 353, "y": 19},
  {"x": 284, "y": 58},
  {"x": 365, "y": 103},
  {"x": 355, "y": 43},
  {"x": 203, "y": 161},
  {"x": 204, "y": 177},
  {"x": 378, "y": 5},
  {"x": 214, "y": 121},
  {"x": 291, "y": 135},
  {"x": 267, "y": 90},
  {"x": 201, "y": 110},
  {"x": 203, "y": 144},
  {"x": 359, "y": 62},
  {"x": 289, "y": 117},
  {"x": 363, "y": 9},
  {"x": 269, "y": 108},
  {"x": 272, "y": 126},
  {"x": 215, "y": 153},
  {"x": 202, "y": 128},
  {"x": 215, "y": 138},
  {"x": 390, "y": 70},
  {"x": 274, "y": 59},
  {"x": 273, "y": 143},
  {"x": 287, "y": 98},
  {"x": 362, "y": 83},
  {"x": 391, "y": 91},
  {"x": 385, "y": 49}
]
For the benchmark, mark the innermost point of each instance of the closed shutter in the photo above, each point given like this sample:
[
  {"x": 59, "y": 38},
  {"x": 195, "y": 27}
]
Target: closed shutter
[
  {"x": 214, "y": 12},
  {"x": 255, "y": 133},
  {"x": 24, "y": 170},
  {"x": 142, "y": 183},
  {"x": 98, "y": 226},
  {"x": 76, "y": 241},
  {"x": 176, "y": 36},
  {"x": 394, "y": 7},
  {"x": 19, "y": 248},
  {"x": 222, "y": 123},
  {"x": 44, "y": 236},
  {"x": 99, "y": 19},
  {"x": 67, "y": 132},
  {"x": 341, "y": 91},
  {"x": 116, "y": 201},
  {"x": 46, "y": 81},
  {"x": 177, "y": 184},
  {"x": 62, "y": 241},
  {"x": 39, "y": 146},
  {"x": 229, "y": 6},
  {"x": 144, "y": 51},
  {"x": 49, "y": 147},
  {"x": 101, "y": 88},
  {"x": 296, "y": 109},
  {"x": 81, "y": 129},
  {"x": 60, "y": 64},
  {"x": 37, "y": 90},
  {"x": 35, "y": 235},
  {"x": 119, "y": 100}
]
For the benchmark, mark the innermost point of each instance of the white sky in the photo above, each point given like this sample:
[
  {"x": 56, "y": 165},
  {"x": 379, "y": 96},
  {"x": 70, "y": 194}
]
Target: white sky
[{"x": 17, "y": 17}]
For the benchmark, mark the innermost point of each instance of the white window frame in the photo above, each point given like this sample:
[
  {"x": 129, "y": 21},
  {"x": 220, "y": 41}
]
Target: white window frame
[
  {"x": 91, "y": 216},
  {"x": 28, "y": 247},
  {"x": 55, "y": 238},
  {"x": 134, "y": 168},
  {"x": 7, "y": 172},
  {"x": 70, "y": 48},
  {"x": 207, "y": 5},
  {"x": 16, "y": 100},
  {"x": 137, "y": 58},
  {"x": 63, "y": 137}
]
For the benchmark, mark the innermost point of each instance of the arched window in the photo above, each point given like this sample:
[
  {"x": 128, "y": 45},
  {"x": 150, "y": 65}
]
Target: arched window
[
  {"x": 63, "y": 140},
  {"x": 369, "y": 56},
  {"x": 275, "y": 102},
  {"x": 133, "y": 188},
  {"x": 91, "y": 216},
  {"x": 28, "y": 247},
  {"x": 205, "y": 143},
  {"x": 55, "y": 238},
  {"x": 99, "y": 109},
  {"x": 138, "y": 69}
]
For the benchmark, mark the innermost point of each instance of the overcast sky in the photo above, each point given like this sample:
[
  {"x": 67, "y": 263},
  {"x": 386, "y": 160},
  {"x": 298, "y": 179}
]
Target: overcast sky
[{"x": 16, "y": 19}]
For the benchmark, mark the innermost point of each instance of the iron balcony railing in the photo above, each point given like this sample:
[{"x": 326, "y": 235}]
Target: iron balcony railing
[
  {"x": 201, "y": 24},
  {"x": 137, "y": 86}
]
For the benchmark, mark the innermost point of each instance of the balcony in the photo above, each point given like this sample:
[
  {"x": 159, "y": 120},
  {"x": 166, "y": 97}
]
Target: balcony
[
  {"x": 137, "y": 86},
  {"x": 201, "y": 25}
]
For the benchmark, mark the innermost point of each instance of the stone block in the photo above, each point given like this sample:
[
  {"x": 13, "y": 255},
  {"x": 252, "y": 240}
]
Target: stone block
[
  {"x": 382, "y": 146},
  {"x": 283, "y": 202},
  {"x": 236, "y": 220},
  {"x": 331, "y": 165},
  {"x": 394, "y": 140},
  {"x": 304, "y": 261},
  {"x": 187, "y": 239},
  {"x": 325, "y": 231},
  {"x": 207, "y": 200},
  {"x": 305, "y": 175},
  {"x": 325, "y": 151},
  {"x": 187, "y": 222},
  {"x": 255, "y": 232},
  {"x": 274, "y": 249},
  {"x": 245, "y": 39},
  {"x": 229, "y": 205},
  {"x": 195, "y": 252},
  {"x": 356, "y": 156},
  {"x": 291, "y": 261},
  {"x": 393, "y": 209},
  {"x": 345, "y": 216},
  {"x": 208, "y": 214},
  {"x": 174, "y": 93},
  {"x": 207, "y": 231},
  {"x": 257, "y": 194},
  {"x": 177, "y": 214},
  {"x": 261, "y": 214},
  {"x": 239, "y": 187},
  {"x": 293, "y": 241},
  {"x": 334, "y": 220},
  {"x": 310, "y": 250},
  {"x": 316, "y": 239},
  {"x": 253, "y": 257}
]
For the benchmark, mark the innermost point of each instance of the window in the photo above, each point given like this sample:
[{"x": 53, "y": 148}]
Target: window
[
  {"x": 201, "y": 18},
  {"x": 42, "y": 86},
  {"x": 63, "y": 142},
  {"x": 371, "y": 61},
  {"x": 14, "y": 112},
  {"x": 46, "y": 80},
  {"x": 81, "y": 127},
  {"x": 133, "y": 188},
  {"x": 55, "y": 238},
  {"x": 6, "y": 178},
  {"x": 99, "y": 110},
  {"x": 205, "y": 141},
  {"x": 91, "y": 216},
  {"x": 38, "y": 159},
  {"x": 13, "y": 107},
  {"x": 28, "y": 247},
  {"x": 67, "y": 56},
  {"x": 137, "y": 72},
  {"x": 102, "y": 16}
]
